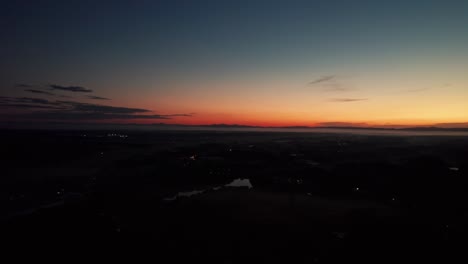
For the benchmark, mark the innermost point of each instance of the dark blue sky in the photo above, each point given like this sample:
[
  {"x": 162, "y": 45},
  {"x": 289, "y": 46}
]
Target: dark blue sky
[{"x": 67, "y": 34}]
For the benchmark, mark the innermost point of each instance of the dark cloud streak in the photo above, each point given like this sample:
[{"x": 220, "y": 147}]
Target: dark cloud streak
[
  {"x": 96, "y": 97},
  {"x": 106, "y": 109},
  {"x": 22, "y": 85},
  {"x": 331, "y": 83},
  {"x": 70, "y": 88},
  {"x": 6, "y": 100},
  {"x": 29, "y": 106},
  {"x": 29, "y": 103},
  {"x": 76, "y": 111},
  {"x": 417, "y": 90},
  {"x": 347, "y": 100},
  {"x": 322, "y": 79},
  {"x": 38, "y": 91},
  {"x": 82, "y": 116}
]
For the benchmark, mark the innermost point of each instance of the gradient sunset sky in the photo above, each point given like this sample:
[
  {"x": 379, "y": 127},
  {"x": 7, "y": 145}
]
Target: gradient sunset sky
[{"x": 267, "y": 63}]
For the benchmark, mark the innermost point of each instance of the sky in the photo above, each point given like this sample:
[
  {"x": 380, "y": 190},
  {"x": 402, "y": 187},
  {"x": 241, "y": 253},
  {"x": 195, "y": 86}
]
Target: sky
[{"x": 262, "y": 63}]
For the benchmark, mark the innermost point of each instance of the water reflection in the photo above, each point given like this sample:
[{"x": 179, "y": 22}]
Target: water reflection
[
  {"x": 184, "y": 194},
  {"x": 235, "y": 183},
  {"x": 240, "y": 183}
]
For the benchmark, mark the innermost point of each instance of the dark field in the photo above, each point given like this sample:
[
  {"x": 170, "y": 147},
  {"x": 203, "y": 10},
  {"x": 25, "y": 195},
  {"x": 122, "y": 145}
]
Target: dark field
[{"x": 235, "y": 197}]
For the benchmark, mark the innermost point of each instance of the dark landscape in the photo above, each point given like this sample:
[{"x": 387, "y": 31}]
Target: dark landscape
[
  {"x": 235, "y": 197},
  {"x": 234, "y": 131}
]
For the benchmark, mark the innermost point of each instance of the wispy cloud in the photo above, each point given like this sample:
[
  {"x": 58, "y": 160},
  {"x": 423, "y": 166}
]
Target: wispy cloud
[
  {"x": 23, "y": 85},
  {"x": 82, "y": 116},
  {"x": 7, "y": 100},
  {"x": 322, "y": 79},
  {"x": 96, "y": 97},
  {"x": 417, "y": 90},
  {"x": 28, "y": 106},
  {"x": 347, "y": 100},
  {"x": 28, "y": 103},
  {"x": 76, "y": 111},
  {"x": 70, "y": 88},
  {"x": 106, "y": 109},
  {"x": 38, "y": 91},
  {"x": 331, "y": 83},
  {"x": 32, "y": 108}
]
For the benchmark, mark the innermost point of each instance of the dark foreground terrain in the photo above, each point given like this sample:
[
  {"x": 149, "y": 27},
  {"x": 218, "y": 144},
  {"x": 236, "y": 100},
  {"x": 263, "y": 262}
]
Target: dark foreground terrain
[{"x": 234, "y": 197}]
